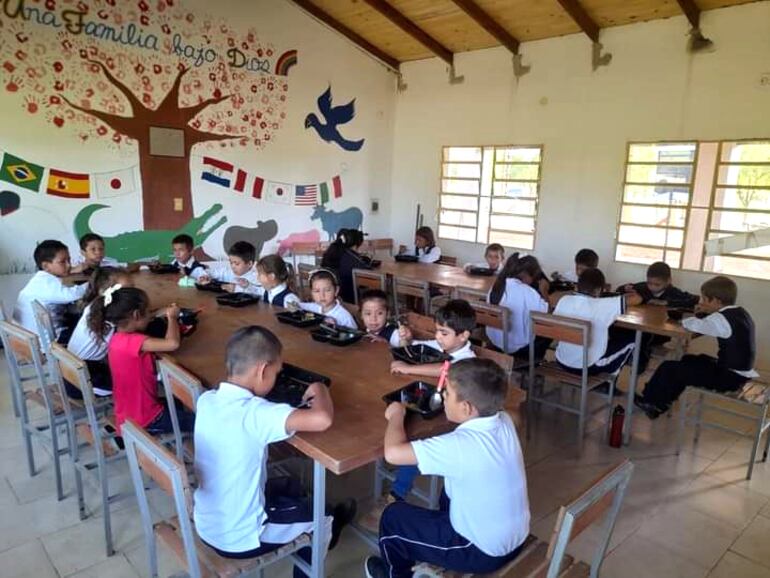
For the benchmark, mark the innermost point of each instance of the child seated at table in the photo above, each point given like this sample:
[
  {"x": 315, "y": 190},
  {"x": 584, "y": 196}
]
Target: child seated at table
[
  {"x": 513, "y": 290},
  {"x": 239, "y": 274},
  {"x": 374, "y": 317},
  {"x": 53, "y": 262},
  {"x": 124, "y": 312},
  {"x": 483, "y": 517},
  {"x": 92, "y": 255},
  {"x": 608, "y": 350},
  {"x": 238, "y": 511},
  {"x": 85, "y": 344},
  {"x": 324, "y": 290},
  {"x": 733, "y": 366},
  {"x": 425, "y": 247},
  {"x": 184, "y": 260},
  {"x": 494, "y": 259},
  {"x": 584, "y": 259},
  {"x": 658, "y": 289},
  {"x": 273, "y": 276}
]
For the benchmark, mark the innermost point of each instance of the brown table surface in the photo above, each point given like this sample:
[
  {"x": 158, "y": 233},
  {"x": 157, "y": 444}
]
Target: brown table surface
[
  {"x": 651, "y": 319},
  {"x": 360, "y": 373},
  {"x": 436, "y": 274}
]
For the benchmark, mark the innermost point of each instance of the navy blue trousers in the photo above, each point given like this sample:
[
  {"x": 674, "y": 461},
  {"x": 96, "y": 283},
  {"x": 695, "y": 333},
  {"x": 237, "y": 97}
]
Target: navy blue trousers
[{"x": 411, "y": 534}]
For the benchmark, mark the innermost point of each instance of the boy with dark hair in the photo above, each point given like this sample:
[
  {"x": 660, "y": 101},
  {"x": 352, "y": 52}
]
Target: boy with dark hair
[
  {"x": 374, "y": 315},
  {"x": 658, "y": 289},
  {"x": 483, "y": 517},
  {"x": 53, "y": 262},
  {"x": 733, "y": 328},
  {"x": 92, "y": 254},
  {"x": 241, "y": 274},
  {"x": 184, "y": 260},
  {"x": 584, "y": 259},
  {"x": 238, "y": 511},
  {"x": 494, "y": 259}
]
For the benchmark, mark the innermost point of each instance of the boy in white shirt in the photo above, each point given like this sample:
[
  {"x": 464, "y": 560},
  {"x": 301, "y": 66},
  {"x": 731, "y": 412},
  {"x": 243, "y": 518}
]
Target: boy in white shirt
[
  {"x": 239, "y": 275},
  {"x": 184, "y": 260},
  {"x": 494, "y": 259},
  {"x": 238, "y": 511},
  {"x": 483, "y": 518},
  {"x": 608, "y": 350},
  {"x": 53, "y": 262},
  {"x": 92, "y": 255},
  {"x": 584, "y": 259}
]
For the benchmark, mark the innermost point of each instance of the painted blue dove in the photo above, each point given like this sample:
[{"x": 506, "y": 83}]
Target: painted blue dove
[{"x": 334, "y": 116}]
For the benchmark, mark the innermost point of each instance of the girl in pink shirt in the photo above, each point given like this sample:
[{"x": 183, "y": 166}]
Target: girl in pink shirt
[{"x": 131, "y": 359}]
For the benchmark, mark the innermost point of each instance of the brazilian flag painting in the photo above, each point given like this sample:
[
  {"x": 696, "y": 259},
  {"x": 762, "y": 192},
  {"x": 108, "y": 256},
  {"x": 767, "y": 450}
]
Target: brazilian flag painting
[{"x": 21, "y": 173}]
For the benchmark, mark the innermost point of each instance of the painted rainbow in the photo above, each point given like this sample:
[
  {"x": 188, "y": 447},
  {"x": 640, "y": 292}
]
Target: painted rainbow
[{"x": 285, "y": 62}]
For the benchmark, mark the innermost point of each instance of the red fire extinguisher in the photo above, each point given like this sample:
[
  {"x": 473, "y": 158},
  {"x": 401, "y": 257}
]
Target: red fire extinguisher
[{"x": 616, "y": 426}]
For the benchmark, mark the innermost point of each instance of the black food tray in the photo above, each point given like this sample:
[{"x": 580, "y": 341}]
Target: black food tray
[
  {"x": 416, "y": 397},
  {"x": 341, "y": 339},
  {"x": 213, "y": 286},
  {"x": 419, "y": 354},
  {"x": 300, "y": 318},
  {"x": 558, "y": 286},
  {"x": 291, "y": 383},
  {"x": 481, "y": 271},
  {"x": 237, "y": 299},
  {"x": 406, "y": 258},
  {"x": 164, "y": 269}
]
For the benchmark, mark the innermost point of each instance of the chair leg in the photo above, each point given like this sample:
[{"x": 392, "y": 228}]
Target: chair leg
[
  {"x": 682, "y": 421},
  {"x": 377, "y": 479},
  {"x": 581, "y": 419},
  {"x": 610, "y": 403},
  {"x": 56, "y": 460},
  {"x": 698, "y": 416},
  {"x": 105, "y": 486},
  {"x": 767, "y": 444},
  {"x": 434, "y": 494},
  {"x": 754, "y": 447}
]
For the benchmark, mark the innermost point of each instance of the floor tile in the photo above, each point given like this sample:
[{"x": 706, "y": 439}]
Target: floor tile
[
  {"x": 732, "y": 467},
  {"x": 734, "y": 566},
  {"x": 638, "y": 557},
  {"x": 753, "y": 542},
  {"x": 732, "y": 504},
  {"x": 28, "y": 560},
  {"x": 116, "y": 566}
]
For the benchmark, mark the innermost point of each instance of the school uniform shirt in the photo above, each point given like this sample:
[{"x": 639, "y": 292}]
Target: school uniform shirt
[
  {"x": 428, "y": 255},
  {"x": 340, "y": 315},
  {"x": 601, "y": 312},
  {"x": 52, "y": 294},
  {"x": 487, "y": 488},
  {"x": 233, "y": 429},
  {"x": 106, "y": 262},
  {"x": 734, "y": 330},
  {"x": 134, "y": 380},
  {"x": 465, "y": 352},
  {"x": 519, "y": 299},
  {"x": 223, "y": 273},
  {"x": 85, "y": 344},
  {"x": 192, "y": 267},
  {"x": 671, "y": 295},
  {"x": 389, "y": 332},
  {"x": 280, "y": 295}
]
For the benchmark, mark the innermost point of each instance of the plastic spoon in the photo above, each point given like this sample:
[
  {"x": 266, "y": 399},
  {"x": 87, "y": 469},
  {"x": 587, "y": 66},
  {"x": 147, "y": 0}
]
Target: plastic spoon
[{"x": 437, "y": 400}]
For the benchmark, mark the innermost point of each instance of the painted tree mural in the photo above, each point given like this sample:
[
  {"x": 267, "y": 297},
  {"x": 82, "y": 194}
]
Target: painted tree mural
[{"x": 115, "y": 69}]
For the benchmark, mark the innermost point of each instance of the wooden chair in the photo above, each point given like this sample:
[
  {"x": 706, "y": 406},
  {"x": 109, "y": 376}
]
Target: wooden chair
[
  {"x": 14, "y": 401},
  {"x": 447, "y": 260},
  {"x": 750, "y": 403},
  {"x": 416, "y": 289},
  {"x": 599, "y": 503},
  {"x": 374, "y": 245},
  {"x": 303, "y": 280},
  {"x": 494, "y": 316},
  {"x": 366, "y": 279},
  {"x": 303, "y": 250},
  {"x": 179, "y": 384},
  {"x": 470, "y": 295},
  {"x": 576, "y": 332},
  {"x": 147, "y": 456},
  {"x": 422, "y": 326},
  {"x": 22, "y": 348},
  {"x": 106, "y": 453}
]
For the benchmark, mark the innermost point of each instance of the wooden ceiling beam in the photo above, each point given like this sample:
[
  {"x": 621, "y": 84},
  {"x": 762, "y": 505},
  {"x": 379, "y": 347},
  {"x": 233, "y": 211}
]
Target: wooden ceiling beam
[
  {"x": 489, "y": 24},
  {"x": 412, "y": 30},
  {"x": 691, "y": 10},
  {"x": 581, "y": 18},
  {"x": 354, "y": 37}
]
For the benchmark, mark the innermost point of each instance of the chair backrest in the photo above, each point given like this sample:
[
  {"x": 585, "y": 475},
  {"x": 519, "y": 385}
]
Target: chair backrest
[
  {"x": 504, "y": 361},
  {"x": 412, "y": 288},
  {"x": 422, "y": 326},
  {"x": 601, "y": 500},
  {"x": 354, "y": 310},
  {"x": 3, "y": 316},
  {"x": 45, "y": 330},
  {"x": 178, "y": 383},
  {"x": 304, "y": 249},
  {"x": 560, "y": 328},
  {"x": 447, "y": 260},
  {"x": 147, "y": 456},
  {"x": 303, "y": 279},
  {"x": 470, "y": 295},
  {"x": 363, "y": 278},
  {"x": 375, "y": 245},
  {"x": 22, "y": 348}
]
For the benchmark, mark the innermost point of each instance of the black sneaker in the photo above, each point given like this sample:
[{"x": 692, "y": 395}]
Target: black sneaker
[
  {"x": 650, "y": 410},
  {"x": 375, "y": 567},
  {"x": 344, "y": 513}
]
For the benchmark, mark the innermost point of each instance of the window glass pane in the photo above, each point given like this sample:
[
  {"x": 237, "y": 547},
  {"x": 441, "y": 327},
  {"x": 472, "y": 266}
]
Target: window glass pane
[
  {"x": 660, "y": 174},
  {"x": 673, "y": 258},
  {"x": 462, "y": 154},
  {"x": 517, "y": 172},
  {"x": 744, "y": 175},
  {"x": 462, "y": 170},
  {"x": 650, "y": 236},
  {"x": 514, "y": 206},
  {"x": 746, "y": 152},
  {"x": 756, "y": 199},
  {"x": 457, "y": 233},
  {"x": 457, "y": 218},
  {"x": 739, "y": 222},
  {"x": 659, "y": 216},
  {"x": 521, "y": 224},
  {"x": 638, "y": 254},
  {"x": 457, "y": 202},
  {"x": 520, "y": 155},
  {"x": 515, "y": 189},
  {"x": 516, "y": 240},
  {"x": 462, "y": 187},
  {"x": 651, "y": 195},
  {"x": 662, "y": 152}
]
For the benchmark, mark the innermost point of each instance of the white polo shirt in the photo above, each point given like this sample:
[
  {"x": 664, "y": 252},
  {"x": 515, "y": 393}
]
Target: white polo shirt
[
  {"x": 341, "y": 316},
  {"x": 85, "y": 344},
  {"x": 601, "y": 312},
  {"x": 429, "y": 256},
  {"x": 484, "y": 478},
  {"x": 52, "y": 294},
  {"x": 223, "y": 273},
  {"x": 519, "y": 299},
  {"x": 233, "y": 428},
  {"x": 465, "y": 352}
]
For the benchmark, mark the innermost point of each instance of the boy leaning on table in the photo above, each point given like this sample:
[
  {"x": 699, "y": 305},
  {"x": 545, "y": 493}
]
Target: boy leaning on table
[{"x": 483, "y": 517}]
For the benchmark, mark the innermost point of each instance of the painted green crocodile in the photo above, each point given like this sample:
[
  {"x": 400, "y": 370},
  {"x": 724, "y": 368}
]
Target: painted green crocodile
[{"x": 134, "y": 246}]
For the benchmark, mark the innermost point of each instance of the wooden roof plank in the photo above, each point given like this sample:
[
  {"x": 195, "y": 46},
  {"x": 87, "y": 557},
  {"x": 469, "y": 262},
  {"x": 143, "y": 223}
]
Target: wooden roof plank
[
  {"x": 348, "y": 33},
  {"x": 489, "y": 24},
  {"x": 412, "y": 30},
  {"x": 582, "y": 18},
  {"x": 691, "y": 10}
]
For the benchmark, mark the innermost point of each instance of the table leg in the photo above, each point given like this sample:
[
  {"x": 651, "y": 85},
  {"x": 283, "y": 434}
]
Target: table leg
[
  {"x": 632, "y": 387},
  {"x": 319, "y": 525}
]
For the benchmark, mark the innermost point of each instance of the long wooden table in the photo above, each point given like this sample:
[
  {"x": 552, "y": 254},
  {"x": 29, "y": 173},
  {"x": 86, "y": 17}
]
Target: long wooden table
[
  {"x": 436, "y": 274},
  {"x": 360, "y": 376}
]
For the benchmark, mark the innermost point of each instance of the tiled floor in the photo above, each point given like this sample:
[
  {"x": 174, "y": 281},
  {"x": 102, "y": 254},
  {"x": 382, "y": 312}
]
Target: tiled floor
[{"x": 690, "y": 515}]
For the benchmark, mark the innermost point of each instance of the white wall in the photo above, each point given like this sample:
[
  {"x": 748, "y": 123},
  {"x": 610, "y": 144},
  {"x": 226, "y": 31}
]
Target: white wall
[{"x": 652, "y": 90}]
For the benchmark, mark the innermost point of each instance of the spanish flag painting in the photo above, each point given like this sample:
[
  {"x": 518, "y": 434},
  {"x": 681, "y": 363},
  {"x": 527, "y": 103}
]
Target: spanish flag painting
[{"x": 68, "y": 185}]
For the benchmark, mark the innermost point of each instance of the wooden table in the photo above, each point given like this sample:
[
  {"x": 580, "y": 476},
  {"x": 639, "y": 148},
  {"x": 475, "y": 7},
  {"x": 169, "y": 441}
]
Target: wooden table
[
  {"x": 437, "y": 274},
  {"x": 360, "y": 376}
]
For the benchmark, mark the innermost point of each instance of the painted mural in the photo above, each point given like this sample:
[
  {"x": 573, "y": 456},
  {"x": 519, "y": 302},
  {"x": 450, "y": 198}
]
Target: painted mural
[{"x": 334, "y": 117}]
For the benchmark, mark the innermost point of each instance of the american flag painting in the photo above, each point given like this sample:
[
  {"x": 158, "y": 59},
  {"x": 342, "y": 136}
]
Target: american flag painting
[{"x": 306, "y": 195}]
